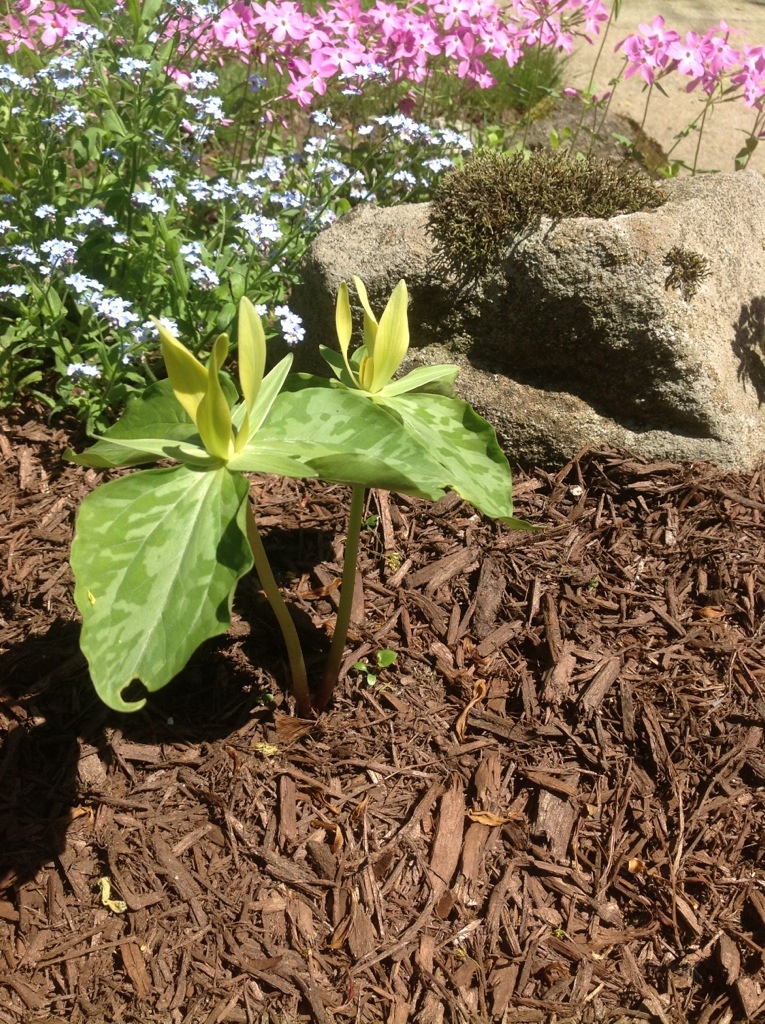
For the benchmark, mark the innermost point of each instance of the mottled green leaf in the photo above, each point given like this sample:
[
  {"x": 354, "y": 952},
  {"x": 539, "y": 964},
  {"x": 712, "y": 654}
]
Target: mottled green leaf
[
  {"x": 156, "y": 413},
  {"x": 433, "y": 379},
  {"x": 464, "y": 445},
  {"x": 156, "y": 557},
  {"x": 107, "y": 453},
  {"x": 350, "y": 439}
]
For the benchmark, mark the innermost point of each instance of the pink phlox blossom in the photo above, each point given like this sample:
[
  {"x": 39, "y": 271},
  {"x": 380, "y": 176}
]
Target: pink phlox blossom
[
  {"x": 657, "y": 36},
  {"x": 688, "y": 55},
  {"x": 38, "y": 23},
  {"x": 344, "y": 59},
  {"x": 233, "y": 28},
  {"x": 595, "y": 14},
  {"x": 416, "y": 43},
  {"x": 484, "y": 10},
  {"x": 719, "y": 57},
  {"x": 386, "y": 18},
  {"x": 506, "y": 43},
  {"x": 539, "y": 23},
  {"x": 181, "y": 78},
  {"x": 282, "y": 21},
  {"x": 470, "y": 50},
  {"x": 647, "y": 49},
  {"x": 455, "y": 12},
  {"x": 309, "y": 78},
  {"x": 752, "y": 75},
  {"x": 340, "y": 19},
  {"x": 640, "y": 58}
]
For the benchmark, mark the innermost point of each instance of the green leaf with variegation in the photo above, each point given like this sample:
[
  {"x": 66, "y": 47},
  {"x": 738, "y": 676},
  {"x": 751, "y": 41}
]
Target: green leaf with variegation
[
  {"x": 156, "y": 557},
  {"x": 349, "y": 439},
  {"x": 465, "y": 446},
  {"x": 154, "y": 414},
  {"x": 453, "y": 435}
]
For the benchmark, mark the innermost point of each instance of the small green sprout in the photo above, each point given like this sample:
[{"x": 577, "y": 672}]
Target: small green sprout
[{"x": 385, "y": 659}]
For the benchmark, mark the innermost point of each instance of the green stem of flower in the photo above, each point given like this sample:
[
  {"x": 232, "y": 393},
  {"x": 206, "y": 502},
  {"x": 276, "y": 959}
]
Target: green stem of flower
[
  {"x": 534, "y": 80},
  {"x": 612, "y": 16},
  {"x": 283, "y": 617},
  {"x": 700, "y": 136},
  {"x": 337, "y": 648}
]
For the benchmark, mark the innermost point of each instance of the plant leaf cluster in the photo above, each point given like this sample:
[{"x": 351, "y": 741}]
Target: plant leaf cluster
[
  {"x": 478, "y": 208},
  {"x": 157, "y": 554}
]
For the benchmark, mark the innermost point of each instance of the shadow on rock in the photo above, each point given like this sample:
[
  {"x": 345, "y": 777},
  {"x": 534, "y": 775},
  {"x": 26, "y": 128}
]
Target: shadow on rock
[{"x": 749, "y": 345}]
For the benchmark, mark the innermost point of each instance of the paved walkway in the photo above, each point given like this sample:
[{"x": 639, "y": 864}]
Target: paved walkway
[{"x": 727, "y": 127}]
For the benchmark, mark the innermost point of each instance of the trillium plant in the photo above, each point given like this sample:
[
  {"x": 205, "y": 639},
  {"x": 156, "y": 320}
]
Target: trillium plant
[{"x": 157, "y": 554}]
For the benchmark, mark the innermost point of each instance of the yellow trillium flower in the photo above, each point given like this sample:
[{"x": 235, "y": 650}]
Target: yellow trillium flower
[
  {"x": 199, "y": 390},
  {"x": 385, "y": 343}
]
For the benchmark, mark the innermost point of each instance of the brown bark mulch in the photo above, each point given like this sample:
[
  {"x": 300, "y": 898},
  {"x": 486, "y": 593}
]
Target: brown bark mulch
[{"x": 550, "y": 808}]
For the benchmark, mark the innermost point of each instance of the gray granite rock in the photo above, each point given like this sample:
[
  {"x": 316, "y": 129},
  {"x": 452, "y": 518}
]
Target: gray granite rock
[{"x": 588, "y": 330}]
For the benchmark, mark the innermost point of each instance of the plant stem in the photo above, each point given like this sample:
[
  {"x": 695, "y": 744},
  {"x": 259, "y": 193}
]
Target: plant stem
[
  {"x": 612, "y": 16},
  {"x": 337, "y": 648},
  {"x": 283, "y": 617},
  {"x": 700, "y": 136}
]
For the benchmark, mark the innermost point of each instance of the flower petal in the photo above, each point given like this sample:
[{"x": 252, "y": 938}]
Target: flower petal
[
  {"x": 392, "y": 342},
  {"x": 344, "y": 323},
  {"x": 213, "y": 413},
  {"x": 187, "y": 375},
  {"x": 370, "y": 320},
  {"x": 251, "y": 351}
]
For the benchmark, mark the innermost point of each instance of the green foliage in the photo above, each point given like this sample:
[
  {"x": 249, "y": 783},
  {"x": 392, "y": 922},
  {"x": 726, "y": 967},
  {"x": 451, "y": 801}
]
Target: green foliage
[
  {"x": 127, "y": 195},
  {"x": 519, "y": 91},
  {"x": 686, "y": 270},
  {"x": 478, "y": 208},
  {"x": 144, "y": 615},
  {"x": 157, "y": 554},
  {"x": 384, "y": 659}
]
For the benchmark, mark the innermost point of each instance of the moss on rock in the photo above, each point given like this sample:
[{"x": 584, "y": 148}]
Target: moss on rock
[{"x": 479, "y": 207}]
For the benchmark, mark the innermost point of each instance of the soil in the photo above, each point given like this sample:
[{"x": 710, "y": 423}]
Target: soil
[{"x": 550, "y": 808}]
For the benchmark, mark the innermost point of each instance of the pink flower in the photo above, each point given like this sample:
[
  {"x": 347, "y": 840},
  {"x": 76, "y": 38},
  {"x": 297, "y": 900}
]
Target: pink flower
[
  {"x": 39, "y": 23},
  {"x": 688, "y": 55},
  {"x": 386, "y": 17},
  {"x": 719, "y": 55},
  {"x": 282, "y": 21},
  {"x": 469, "y": 49},
  {"x": 232, "y": 31},
  {"x": 454, "y": 11},
  {"x": 640, "y": 58},
  {"x": 752, "y": 76},
  {"x": 656, "y": 36},
  {"x": 310, "y": 78},
  {"x": 647, "y": 49},
  {"x": 595, "y": 14}
]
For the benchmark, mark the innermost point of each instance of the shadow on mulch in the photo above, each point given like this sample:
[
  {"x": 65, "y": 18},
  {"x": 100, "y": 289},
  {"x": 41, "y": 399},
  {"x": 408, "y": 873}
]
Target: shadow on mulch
[
  {"x": 551, "y": 808},
  {"x": 59, "y": 722}
]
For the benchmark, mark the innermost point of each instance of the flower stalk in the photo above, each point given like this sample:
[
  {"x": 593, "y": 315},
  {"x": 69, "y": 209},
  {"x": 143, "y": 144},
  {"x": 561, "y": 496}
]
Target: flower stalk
[
  {"x": 283, "y": 617},
  {"x": 347, "y": 587}
]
